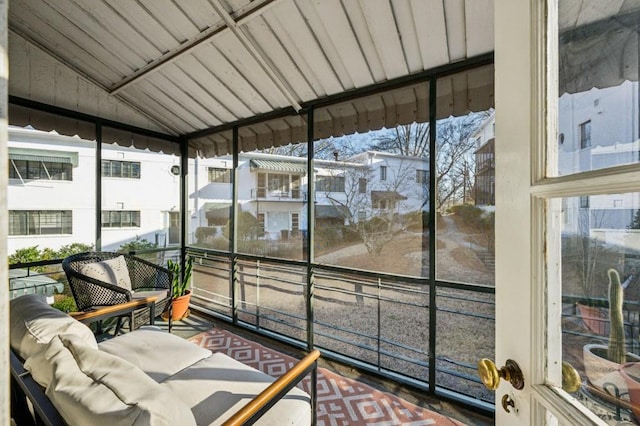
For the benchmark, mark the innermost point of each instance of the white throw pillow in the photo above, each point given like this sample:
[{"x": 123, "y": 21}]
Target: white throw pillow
[
  {"x": 86, "y": 384},
  {"x": 113, "y": 271},
  {"x": 33, "y": 323}
]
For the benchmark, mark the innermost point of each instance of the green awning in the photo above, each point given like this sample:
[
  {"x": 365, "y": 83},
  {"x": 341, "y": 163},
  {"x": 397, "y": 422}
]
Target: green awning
[
  {"x": 331, "y": 212},
  {"x": 24, "y": 154},
  {"x": 280, "y": 166},
  {"x": 218, "y": 210},
  {"x": 377, "y": 196}
]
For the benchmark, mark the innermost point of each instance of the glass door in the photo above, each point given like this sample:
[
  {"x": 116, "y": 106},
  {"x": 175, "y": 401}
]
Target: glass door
[{"x": 568, "y": 213}]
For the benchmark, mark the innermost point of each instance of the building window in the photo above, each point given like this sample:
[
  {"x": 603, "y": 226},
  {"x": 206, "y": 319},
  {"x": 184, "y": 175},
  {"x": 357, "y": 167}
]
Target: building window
[
  {"x": 421, "y": 176},
  {"x": 383, "y": 172},
  {"x": 585, "y": 134},
  {"x": 584, "y": 202},
  {"x": 385, "y": 204},
  {"x": 278, "y": 184},
  {"x": 121, "y": 169},
  {"x": 362, "y": 185},
  {"x": 260, "y": 224},
  {"x": 33, "y": 169},
  {"x": 261, "y": 191},
  {"x": 295, "y": 186},
  {"x": 330, "y": 184},
  {"x": 40, "y": 222},
  {"x": 295, "y": 221},
  {"x": 120, "y": 219},
  {"x": 219, "y": 175}
]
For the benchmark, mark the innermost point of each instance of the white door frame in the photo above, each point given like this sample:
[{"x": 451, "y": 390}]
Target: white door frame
[{"x": 528, "y": 289}]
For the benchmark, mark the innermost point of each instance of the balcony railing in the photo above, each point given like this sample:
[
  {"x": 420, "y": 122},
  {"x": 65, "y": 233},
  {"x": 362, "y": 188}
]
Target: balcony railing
[
  {"x": 265, "y": 193},
  {"x": 376, "y": 322}
]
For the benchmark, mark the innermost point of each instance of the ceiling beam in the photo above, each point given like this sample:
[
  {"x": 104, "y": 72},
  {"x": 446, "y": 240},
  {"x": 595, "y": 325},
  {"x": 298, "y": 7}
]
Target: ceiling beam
[
  {"x": 256, "y": 8},
  {"x": 257, "y": 53}
]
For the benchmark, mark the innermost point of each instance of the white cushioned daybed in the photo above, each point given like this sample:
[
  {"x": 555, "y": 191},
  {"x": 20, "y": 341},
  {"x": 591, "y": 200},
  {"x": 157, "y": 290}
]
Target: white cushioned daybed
[{"x": 144, "y": 377}]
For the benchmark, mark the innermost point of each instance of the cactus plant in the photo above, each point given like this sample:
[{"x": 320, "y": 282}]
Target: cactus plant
[{"x": 616, "y": 351}]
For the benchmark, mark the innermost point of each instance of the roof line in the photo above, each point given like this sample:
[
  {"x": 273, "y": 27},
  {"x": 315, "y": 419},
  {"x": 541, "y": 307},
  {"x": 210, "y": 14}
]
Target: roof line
[
  {"x": 64, "y": 112},
  {"x": 426, "y": 75}
]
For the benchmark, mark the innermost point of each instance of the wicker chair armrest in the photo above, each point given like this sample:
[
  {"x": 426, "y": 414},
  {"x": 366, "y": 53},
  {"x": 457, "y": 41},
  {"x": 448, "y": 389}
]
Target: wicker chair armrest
[
  {"x": 145, "y": 274},
  {"x": 112, "y": 311},
  {"x": 89, "y": 292},
  {"x": 112, "y": 287}
]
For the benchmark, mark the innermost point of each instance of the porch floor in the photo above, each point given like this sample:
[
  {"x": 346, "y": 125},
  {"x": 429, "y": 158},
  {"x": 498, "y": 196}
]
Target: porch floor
[{"x": 198, "y": 322}]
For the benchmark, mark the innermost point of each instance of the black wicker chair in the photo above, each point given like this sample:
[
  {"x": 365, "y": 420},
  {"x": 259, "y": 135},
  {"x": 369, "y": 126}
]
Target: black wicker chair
[{"x": 147, "y": 279}]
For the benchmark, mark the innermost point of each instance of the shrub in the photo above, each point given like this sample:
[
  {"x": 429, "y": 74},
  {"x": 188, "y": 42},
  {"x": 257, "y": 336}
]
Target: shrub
[
  {"x": 65, "y": 304},
  {"x": 327, "y": 236},
  {"x": 139, "y": 244},
  {"x": 204, "y": 233},
  {"x": 471, "y": 215},
  {"x": 25, "y": 255},
  {"x": 33, "y": 254},
  {"x": 417, "y": 221},
  {"x": 248, "y": 227},
  {"x": 73, "y": 248}
]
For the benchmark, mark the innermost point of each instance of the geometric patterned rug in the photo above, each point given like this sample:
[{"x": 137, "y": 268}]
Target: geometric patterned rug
[{"x": 341, "y": 401}]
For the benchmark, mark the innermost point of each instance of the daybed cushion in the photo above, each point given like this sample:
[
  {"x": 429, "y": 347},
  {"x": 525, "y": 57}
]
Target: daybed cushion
[
  {"x": 216, "y": 387},
  {"x": 33, "y": 323},
  {"x": 113, "y": 271},
  {"x": 157, "y": 353},
  {"x": 88, "y": 386}
]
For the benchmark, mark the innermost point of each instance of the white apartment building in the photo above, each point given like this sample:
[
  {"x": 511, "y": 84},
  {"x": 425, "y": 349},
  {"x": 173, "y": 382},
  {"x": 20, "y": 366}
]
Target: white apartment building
[
  {"x": 599, "y": 129},
  {"x": 52, "y": 181},
  {"x": 274, "y": 189},
  {"x": 596, "y": 129},
  {"x": 51, "y": 191}
]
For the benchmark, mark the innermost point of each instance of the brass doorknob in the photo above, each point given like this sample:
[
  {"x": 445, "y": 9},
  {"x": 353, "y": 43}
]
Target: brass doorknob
[
  {"x": 491, "y": 375},
  {"x": 571, "y": 380}
]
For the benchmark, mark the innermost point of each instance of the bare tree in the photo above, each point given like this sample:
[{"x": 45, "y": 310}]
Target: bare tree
[
  {"x": 409, "y": 139},
  {"x": 455, "y": 163},
  {"x": 376, "y": 221},
  {"x": 323, "y": 149},
  {"x": 589, "y": 256}
]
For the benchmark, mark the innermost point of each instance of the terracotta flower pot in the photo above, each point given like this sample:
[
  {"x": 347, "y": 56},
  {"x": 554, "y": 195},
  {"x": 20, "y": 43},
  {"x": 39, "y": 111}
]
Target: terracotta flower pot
[
  {"x": 631, "y": 374},
  {"x": 180, "y": 305},
  {"x": 604, "y": 373}
]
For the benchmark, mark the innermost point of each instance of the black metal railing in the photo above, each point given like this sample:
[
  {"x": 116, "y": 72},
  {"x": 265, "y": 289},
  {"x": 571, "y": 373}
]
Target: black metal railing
[{"x": 373, "y": 321}]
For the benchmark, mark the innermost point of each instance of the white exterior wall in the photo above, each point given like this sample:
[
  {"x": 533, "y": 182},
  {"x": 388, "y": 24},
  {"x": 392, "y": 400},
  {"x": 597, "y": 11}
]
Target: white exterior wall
[
  {"x": 155, "y": 194},
  {"x": 613, "y": 113},
  {"x": 486, "y": 131},
  {"x": 401, "y": 177},
  {"x": 76, "y": 195}
]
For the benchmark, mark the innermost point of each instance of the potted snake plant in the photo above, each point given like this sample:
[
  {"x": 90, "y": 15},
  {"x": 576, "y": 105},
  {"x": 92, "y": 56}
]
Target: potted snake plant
[{"x": 180, "y": 294}]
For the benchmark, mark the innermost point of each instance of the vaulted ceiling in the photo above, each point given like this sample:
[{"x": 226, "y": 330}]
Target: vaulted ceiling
[{"x": 180, "y": 67}]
